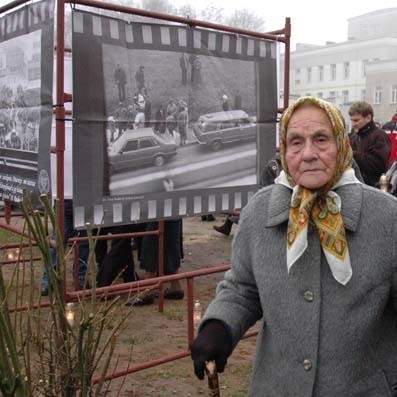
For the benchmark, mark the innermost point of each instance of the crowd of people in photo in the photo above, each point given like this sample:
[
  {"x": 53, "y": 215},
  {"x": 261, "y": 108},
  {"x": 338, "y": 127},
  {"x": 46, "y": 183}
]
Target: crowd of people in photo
[
  {"x": 118, "y": 259},
  {"x": 19, "y": 124},
  {"x": 169, "y": 118}
]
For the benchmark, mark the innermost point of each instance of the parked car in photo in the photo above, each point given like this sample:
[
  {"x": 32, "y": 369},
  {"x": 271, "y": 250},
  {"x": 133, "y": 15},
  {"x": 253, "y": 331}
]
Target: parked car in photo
[
  {"x": 135, "y": 148},
  {"x": 217, "y": 129}
]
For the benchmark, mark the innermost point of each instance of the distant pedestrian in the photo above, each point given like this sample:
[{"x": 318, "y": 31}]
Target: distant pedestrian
[
  {"x": 148, "y": 112},
  {"x": 172, "y": 108},
  {"x": 139, "y": 101},
  {"x": 192, "y": 58},
  {"x": 238, "y": 101},
  {"x": 183, "y": 66},
  {"x": 112, "y": 128},
  {"x": 182, "y": 124},
  {"x": 130, "y": 116},
  {"x": 192, "y": 107},
  {"x": 225, "y": 103},
  {"x": 121, "y": 80},
  {"x": 159, "y": 125},
  {"x": 197, "y": 79},
  {"x": 171, "y": 124},
  {"x": 139, "y": 121},
  {"x": 140, "y": 79},
  {"x": 120, "y": 115}
]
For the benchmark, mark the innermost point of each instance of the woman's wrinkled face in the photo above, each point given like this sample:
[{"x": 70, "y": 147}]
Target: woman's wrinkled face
[{"x": 311, "y": 147}]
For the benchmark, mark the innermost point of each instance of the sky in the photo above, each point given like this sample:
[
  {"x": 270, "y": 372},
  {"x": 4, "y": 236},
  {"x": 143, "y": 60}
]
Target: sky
[{"x": 312, "y": 21}]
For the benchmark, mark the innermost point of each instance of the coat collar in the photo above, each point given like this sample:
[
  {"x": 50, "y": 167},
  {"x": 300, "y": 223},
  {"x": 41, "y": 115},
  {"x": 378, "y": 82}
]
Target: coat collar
[{"x": 351, "y": 196}]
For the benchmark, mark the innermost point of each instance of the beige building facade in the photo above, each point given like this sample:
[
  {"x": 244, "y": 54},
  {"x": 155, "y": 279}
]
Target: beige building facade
[{"x": 362, "y": 68}]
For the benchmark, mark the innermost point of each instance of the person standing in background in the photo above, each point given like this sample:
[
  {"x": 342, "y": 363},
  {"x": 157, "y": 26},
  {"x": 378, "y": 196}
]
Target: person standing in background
[
  {"x": 182, "y": 124},
  {"x": 238, "y": 101},
  {"x": 140, "y": 79},
  {"x": 371, "y": 145},
  {"x": 121, "y": 80},
  {"x": 183, "y": 66},
  {"x": 192, "y": 58},
  {"x": 225, "y": 103}
]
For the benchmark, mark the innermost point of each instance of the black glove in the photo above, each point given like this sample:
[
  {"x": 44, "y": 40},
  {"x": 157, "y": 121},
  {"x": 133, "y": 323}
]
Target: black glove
[{"x": 212, "y": 343}]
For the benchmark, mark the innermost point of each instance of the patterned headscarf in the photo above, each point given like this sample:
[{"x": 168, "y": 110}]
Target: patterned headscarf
[{"x": 321, "y": 205}]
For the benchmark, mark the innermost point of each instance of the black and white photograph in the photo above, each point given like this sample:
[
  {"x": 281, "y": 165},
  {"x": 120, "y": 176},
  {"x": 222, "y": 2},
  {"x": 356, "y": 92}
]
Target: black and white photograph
[
  {"x": 170, "y": 112},
  {"x": 25, "y": 105},
  {"x": 193, "y": 125},
  {"x": 20, "y": 95}
]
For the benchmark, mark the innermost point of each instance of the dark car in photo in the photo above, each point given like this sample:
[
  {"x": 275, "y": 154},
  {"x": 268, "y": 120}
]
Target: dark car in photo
[
  {"x": 220, "y": 128},
  {"x": 135, "y": 148}
]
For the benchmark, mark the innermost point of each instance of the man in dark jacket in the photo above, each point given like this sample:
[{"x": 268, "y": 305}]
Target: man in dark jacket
[{"x": 371, "y": 145}]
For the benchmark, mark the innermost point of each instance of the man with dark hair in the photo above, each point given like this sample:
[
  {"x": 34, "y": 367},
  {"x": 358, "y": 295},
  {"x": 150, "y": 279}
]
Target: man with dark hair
[{"x": 371, "y": 145}]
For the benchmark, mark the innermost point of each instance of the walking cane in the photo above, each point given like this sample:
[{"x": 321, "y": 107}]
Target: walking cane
[{"x": 213, "y": 381}]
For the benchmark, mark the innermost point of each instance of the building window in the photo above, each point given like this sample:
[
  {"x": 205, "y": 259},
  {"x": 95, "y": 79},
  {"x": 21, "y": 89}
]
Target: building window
[
  {"x": 332, "y": 96},
  {"x": 378, "y": 95},
  {"x": 363, "y": 94},
  {"x": 345, "y": 96},
  {"x": 346, "y": 70},
  {"x": 333, "y": 71},
  {"x": 320, "y": 73},
  {"x": 320, "y": 95},
  {"x": 297, "y": 72},
  {"x": 393, "y": 96},
  {"x": 309, "y": 74},
  {"x": 297, "y": 82}
]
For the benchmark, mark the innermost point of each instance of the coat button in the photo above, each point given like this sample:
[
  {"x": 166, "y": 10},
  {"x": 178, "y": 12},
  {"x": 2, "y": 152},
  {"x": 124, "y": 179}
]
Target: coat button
[
  {"x": 309, "y": 296},
  {"x": 307, "y": 365}
]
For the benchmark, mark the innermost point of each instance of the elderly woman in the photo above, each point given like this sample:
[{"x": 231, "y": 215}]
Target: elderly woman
[{"x": 315, "y": 256}]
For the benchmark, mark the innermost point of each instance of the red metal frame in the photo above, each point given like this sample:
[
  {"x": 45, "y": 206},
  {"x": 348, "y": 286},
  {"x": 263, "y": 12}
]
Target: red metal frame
[{"x": 282, "y": 35}]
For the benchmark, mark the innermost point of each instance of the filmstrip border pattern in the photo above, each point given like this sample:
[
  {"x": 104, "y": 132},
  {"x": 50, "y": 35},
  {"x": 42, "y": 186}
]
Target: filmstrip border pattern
[
  {"x": 143, "y": 211},
  {"x": 141, "y": 35},
  {"x": 30, "y": 17}
]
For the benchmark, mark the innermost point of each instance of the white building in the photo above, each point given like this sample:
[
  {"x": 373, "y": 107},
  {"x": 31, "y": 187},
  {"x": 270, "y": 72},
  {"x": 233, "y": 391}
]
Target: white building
[{"x": 362, "y": 68}]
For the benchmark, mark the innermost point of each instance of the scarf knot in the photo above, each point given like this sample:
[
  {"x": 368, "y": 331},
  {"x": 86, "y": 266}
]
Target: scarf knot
[{"x": 324, "y": 210}]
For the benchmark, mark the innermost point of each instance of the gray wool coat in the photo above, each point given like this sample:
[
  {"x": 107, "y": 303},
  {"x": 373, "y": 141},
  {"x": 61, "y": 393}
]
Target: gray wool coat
[{"x": 318, "y": 338}]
